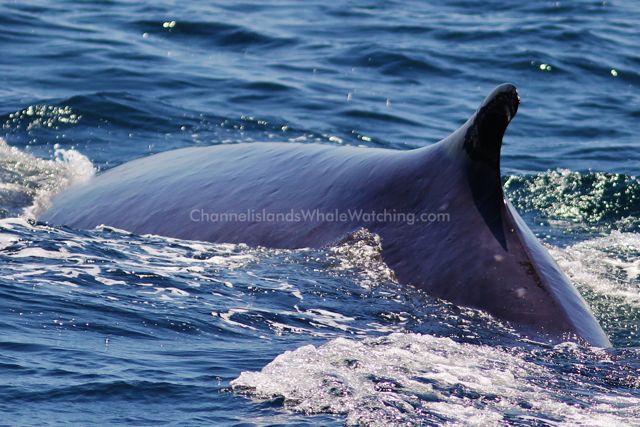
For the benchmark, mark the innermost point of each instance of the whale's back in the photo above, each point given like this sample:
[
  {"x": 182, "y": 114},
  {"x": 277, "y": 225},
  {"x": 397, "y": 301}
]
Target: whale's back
[{"x": 474, "y": 251}]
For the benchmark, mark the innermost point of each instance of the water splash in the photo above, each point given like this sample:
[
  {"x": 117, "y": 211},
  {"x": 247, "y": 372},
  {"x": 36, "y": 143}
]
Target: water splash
[
  {"x": 49, "y": 116},
  {"x": 28, "y": 183},
  {"x": 403, "y": 377},
  {"x": 607, "y": 272},
  {"x": 362, "y": 250}
]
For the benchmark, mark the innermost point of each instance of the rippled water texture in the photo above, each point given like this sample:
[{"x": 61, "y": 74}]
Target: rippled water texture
[{"x": 102, "y": 327}]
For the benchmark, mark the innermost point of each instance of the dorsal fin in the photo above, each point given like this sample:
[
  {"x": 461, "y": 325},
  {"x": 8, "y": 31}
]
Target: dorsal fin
[
  {"x": 480, "y": 138},
  {"x": 483, "y": 139}
]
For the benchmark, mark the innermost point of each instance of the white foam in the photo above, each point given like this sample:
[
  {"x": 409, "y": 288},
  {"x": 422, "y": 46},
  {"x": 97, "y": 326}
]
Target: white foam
[
  {"x": 107, "y": 281},
  {"x": 406, "y": 379},
  {"x": 320, "y": 317},
  {"x": 40, "y": 253},
  {"x": 36, "y": 181},
  {"x": 229, "y": 314},
  {"x": 7, "y": 240},
  {"x": 608, "y": 265}
]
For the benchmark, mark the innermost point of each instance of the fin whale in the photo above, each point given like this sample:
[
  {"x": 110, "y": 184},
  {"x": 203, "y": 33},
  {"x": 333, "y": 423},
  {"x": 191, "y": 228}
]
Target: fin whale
[{"x": 479, "y": 254}]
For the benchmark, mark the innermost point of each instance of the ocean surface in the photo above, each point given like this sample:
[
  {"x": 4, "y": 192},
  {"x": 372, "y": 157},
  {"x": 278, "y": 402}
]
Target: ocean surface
[{"x": 102, "y": 327}]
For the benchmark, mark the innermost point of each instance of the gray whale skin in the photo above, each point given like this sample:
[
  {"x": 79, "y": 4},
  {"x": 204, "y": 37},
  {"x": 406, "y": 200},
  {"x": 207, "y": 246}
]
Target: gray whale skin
[{"x": 484, "y": 256}]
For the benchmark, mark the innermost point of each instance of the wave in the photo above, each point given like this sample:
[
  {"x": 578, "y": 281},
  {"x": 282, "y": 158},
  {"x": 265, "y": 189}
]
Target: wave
[
  {"x": 602, "y": 199},
  {"x": 392, "y": 63},
  {"x": 243, "y": 290},
  {"x": 213, "y": 33}
]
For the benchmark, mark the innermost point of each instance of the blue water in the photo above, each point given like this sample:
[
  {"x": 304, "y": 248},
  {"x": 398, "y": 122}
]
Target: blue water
[{"x": 101, "y": 327}]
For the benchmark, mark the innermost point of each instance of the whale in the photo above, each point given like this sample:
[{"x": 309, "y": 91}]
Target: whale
[{"x": 440, "y": 211}]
